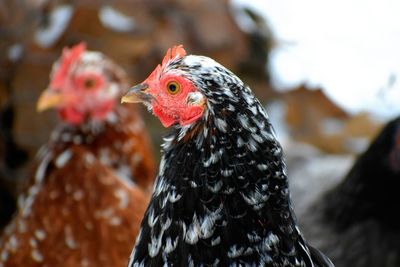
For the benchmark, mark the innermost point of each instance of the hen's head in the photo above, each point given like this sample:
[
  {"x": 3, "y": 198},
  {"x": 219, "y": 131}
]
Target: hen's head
[
  {"x": 184, "y": 87},
  {"x": 84, "y": 85}
]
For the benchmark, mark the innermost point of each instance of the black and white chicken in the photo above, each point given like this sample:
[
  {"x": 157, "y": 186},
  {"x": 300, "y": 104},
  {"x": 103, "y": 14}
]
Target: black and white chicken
[{"x": 221, "y": 197}]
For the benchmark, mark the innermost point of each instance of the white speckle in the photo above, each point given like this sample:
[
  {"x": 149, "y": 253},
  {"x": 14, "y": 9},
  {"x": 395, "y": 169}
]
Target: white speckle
[
  {"x": 214, "y": 157},
  {"x": 136, "y": 158},
  {"x": 207, "y": 223},
  {"x": 78, "y": 195},
  {"x": 69, "y": 239},
  {"x": 22, "y": 228},
  {"x": 41, "y": 170},
  {"x": 89, "y": 158},
  {"x": 253, "y": 237},
  {"x": 262, "y": 167},
  {"x": 258, "y": 138},
  {"x": 115, "y": 221},
  {"x": 174, "y": 197},
  {"x": 115, "y": 20},
  {"x": 33, "y": 243},
  {"x": 12, "y": 243},
  {"x": 124, "y": 173},
  {"x": 254, "y": 110},
  {"x": 37, "y": 256},
  {"x": 104, "y": 156},
  {"x": 112, "y": 118},
  {"x": 123, "y": 198},
  {"x": 169, "y": 245},
  {"x": 221, "y": 124},
  {"x": 63, "y": 158},
  {"x": 4, "y": 255},
  {"x": 270, "y": 241},
  {"x": 216, "y": 187},
  {"x": 40, "y": 234},
  {"x": 66, "y": 137},
  {"x": 255, "y": 198},
  {"x": 161, "y": 185},
  {"x": 226, "y": 172},
  {"x": 193, "y": 232},
  {"x": 85, "y": 262},
  {"x": 106, "y": 213},
  {"x": 33, "y": 190},
  {"x": 155, "y": 245},
  {"x": 205, "y": 131},
  {"x": 243, "y": 120},
  {"x": 240, "y": 142},
  {"x": 216, "y": 241},
  {"x": 152, "y": 220},
  {"x": 15, "y": 52},
  {"x": 59, "y": 20},
  {"x": 252, "y": 145},
  {"x": 235, "y": 252}
]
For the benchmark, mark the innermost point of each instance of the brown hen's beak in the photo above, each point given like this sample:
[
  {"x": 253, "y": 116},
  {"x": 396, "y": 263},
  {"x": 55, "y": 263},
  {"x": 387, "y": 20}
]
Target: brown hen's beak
[
  {"x": 137, "y": 94},
  {"x": 49, "y": 99}
]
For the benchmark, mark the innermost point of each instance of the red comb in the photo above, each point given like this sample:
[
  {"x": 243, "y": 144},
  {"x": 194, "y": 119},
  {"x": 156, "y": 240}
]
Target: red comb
[
  {"x": 173, "y": 53},
  {"x": 69, "y": 56}
]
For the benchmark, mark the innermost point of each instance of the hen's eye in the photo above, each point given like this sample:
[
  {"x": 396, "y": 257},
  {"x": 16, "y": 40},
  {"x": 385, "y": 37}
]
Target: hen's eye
[
  {"x": 89, "y": 83},
  {"x": 173, "y": 88}
]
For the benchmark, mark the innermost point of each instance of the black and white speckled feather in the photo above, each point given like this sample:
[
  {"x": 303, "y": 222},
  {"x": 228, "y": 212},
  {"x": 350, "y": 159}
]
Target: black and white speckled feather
[{"x": 221, "y": 197}]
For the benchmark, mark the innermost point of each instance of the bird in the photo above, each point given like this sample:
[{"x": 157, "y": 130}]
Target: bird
[
  {"x": 354, "y": 220},
  {"x": 91, "y": 184},
  {"x": 221, "y": 197}
]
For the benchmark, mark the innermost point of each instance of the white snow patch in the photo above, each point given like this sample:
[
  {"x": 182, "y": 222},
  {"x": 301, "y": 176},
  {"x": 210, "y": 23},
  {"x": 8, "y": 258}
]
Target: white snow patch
[
  {"x": 359, "y": 72},
  {"x": 115, "y": 20},
  {"x": 59, "y": 20}
]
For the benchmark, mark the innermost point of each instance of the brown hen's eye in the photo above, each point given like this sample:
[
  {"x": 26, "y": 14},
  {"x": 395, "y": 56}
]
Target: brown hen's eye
[
  {"x": 173, "y": 88},
  {"x": 89, "y": 83}
]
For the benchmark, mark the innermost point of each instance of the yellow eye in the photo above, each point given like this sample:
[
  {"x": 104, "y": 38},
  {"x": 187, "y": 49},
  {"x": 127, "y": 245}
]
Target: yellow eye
[{"x": 173, "y": 88}]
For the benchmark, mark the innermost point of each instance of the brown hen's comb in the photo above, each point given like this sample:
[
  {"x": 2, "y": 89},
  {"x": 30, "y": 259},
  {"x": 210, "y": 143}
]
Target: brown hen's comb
[{"x": 69, "y": 56}]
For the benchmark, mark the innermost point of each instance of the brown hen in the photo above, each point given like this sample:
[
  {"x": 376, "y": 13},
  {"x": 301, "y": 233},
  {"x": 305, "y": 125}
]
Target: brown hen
[{"x": 89, "y": 190}]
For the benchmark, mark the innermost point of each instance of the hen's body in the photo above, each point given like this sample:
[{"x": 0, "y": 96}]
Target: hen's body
[
  {"x": 221, "y": 197},
  {"x": 86, "y": 199},
  {"x": 354, "y": 221}
]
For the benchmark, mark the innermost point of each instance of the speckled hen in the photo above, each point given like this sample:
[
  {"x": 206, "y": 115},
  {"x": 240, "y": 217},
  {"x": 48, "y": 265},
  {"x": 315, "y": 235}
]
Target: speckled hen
[
  {"x": 88, "y": 193},
  {"x": 221, "y": 197},
  {"x": 355, "y": 221}
]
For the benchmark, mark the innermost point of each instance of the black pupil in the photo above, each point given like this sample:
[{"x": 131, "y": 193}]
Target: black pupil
[
  {"x": 89, "y": 83},
  {"x": 172, "y": 87}
]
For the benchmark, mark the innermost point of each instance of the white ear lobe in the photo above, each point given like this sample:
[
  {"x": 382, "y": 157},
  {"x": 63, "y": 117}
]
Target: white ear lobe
[{"x": 195, "y": 99}]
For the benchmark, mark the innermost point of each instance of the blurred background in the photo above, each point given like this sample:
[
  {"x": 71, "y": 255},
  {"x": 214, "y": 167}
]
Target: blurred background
[{"x": 327, "y": 72}]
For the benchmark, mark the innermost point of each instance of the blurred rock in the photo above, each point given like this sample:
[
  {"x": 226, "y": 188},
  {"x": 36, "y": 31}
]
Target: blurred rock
[{"x": 314, "y": 119}]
